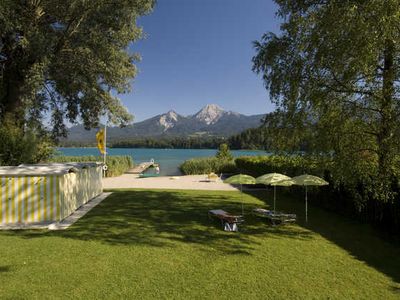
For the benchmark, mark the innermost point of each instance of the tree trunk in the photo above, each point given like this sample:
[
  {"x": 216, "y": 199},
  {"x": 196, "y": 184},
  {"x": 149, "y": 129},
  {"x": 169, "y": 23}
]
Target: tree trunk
[
  {"x": 385, "y": 135},
  {"x": 13, "y": 81},
  {"x": 11, "y": 102}
]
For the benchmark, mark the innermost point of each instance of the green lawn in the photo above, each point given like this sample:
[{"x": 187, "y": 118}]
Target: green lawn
[{"x": 160, "y": 244}]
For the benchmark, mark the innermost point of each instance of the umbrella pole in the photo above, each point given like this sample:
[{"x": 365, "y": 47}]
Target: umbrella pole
[
  {"x": 241, "y": 193},
  {"x": 306, "y": 206},
  {"x": 274, "y": 197}
]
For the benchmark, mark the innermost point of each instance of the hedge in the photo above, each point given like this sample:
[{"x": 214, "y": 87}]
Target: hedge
[
  {"x": 117, "y": 164},
  {"x": 288, "y": 165}
]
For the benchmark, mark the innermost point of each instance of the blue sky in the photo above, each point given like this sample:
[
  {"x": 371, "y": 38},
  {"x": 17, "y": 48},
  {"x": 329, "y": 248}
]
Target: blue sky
[{"x": 198, "y": 52}]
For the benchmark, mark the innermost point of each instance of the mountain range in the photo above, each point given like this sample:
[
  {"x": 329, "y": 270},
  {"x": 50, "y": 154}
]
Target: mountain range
[{"x": 211, "y": 120}]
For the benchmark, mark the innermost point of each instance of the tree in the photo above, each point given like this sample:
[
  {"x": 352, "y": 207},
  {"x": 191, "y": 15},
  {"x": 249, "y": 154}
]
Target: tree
[
  {"x": 18, "y": 146},
  {"x": 224, "y": 153},
  {"x": 67, "y": 59},
  {"x": 252, "y": 138},
  {"x": 333, "y": 73}
]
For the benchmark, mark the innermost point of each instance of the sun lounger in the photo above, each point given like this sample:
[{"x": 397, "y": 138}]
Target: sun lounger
[
  {"x": 229, "y": 222},
  {"x": 276, "y": 218}
]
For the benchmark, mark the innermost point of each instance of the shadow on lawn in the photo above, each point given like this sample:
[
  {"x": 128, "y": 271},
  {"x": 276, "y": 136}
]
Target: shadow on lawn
[
  {"x": 5, "y": 269},
  {"x": 360, "y": 240},
  {"x": 162, "y": 219}
]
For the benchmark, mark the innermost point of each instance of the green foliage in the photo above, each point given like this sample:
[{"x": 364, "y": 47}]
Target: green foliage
[
  {"x": 253, "y": 138},
  {"x": 222, "y": 163},
  {"x": 207, "y": 165},
  {"x": 288, "y": 165},
  {"x": 224, "y": 153},
  {"x": 66, "y": 57},
  {"x": 333, "y": 72},
  {"x": 117, "y": 164},
  {"x": 353, "y": 197},
  {"x": 18, "y": 147}
]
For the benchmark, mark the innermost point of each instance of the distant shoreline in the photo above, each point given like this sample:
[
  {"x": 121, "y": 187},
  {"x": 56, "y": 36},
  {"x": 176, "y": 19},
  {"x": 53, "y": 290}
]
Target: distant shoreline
[
  {"x": 93, "y": 147},
  {"x": 168, "y": 159}
]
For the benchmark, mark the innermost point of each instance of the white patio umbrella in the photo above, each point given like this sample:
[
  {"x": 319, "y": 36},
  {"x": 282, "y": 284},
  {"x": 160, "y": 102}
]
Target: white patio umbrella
[
  {"x": 274, "y": 179},
  {"x": 308, "y": 180},
  {"x": 241, "y": 179}
]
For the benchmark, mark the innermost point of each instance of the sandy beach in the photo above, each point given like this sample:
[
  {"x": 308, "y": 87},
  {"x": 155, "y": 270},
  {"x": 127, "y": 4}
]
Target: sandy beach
[{"x": 188, "y": 182}]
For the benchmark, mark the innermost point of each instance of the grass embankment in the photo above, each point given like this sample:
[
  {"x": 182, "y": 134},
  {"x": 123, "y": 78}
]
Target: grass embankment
[
  {"x": 117, "y": 164},
  {"x": 160, "y": 244}
]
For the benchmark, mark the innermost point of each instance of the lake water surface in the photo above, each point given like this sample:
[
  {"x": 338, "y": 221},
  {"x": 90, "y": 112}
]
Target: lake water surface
[{"x": 169, "y": 159}]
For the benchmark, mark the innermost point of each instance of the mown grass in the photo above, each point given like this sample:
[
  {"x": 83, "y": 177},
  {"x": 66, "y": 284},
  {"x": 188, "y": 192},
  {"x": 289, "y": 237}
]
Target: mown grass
[{"x": 143, "y": 244}]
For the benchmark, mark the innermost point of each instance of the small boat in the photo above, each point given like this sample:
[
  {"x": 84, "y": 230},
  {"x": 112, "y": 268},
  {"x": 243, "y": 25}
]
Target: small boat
[{"x": 144, "y": 175}]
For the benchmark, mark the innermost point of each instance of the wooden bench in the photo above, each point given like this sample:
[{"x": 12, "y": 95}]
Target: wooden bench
[{"x": 276, "y": 218}]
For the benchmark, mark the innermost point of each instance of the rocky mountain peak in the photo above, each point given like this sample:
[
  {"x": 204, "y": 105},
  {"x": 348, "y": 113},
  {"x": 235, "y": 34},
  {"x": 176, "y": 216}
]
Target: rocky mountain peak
[
  {"x": 211, "y": 120},
  {"x": 210, "y": 114},
  {"x": 172, "y": 115},
  {"x": 169, "y": 119}
]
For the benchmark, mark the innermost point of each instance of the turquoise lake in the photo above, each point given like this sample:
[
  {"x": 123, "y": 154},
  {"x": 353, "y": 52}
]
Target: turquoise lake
[{"x": 169, "y": 159}]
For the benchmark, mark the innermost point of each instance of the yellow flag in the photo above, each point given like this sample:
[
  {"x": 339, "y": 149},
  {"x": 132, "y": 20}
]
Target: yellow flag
[{"x": 100, "y": 141}]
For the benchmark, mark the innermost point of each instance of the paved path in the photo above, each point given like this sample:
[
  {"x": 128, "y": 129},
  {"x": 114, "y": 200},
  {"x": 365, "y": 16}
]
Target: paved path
[
  {"x": 189, "y": 182},
  {"x": 79, "y": 213}
]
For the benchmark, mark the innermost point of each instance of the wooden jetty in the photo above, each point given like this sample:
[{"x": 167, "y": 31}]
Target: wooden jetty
[{"x": 142, "y": 167}]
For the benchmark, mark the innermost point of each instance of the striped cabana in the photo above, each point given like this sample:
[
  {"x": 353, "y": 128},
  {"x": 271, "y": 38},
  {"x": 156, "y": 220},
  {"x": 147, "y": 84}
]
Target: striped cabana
[{"x": 48, "y": 192}]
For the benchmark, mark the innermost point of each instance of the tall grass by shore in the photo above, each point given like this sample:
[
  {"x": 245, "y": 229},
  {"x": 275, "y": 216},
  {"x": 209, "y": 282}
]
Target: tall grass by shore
[
  {"x": 206, "y": 165},
  {"x": 117, "y": 164}
]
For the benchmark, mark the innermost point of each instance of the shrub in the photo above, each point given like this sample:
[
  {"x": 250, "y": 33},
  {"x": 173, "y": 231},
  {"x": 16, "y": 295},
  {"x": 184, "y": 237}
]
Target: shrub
[
  {"x": 207, "y": 165},
  {"x": 224, "y": 153},
  {"x": 117, "y": 164},
  {"x": 18, "y": 146}
]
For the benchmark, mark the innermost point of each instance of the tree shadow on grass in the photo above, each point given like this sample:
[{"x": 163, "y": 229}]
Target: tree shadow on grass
[
  {"x": 5, "y": 269},
  {"x": 360, "y": 240},
  {"x": 165, "y": 218}
]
